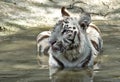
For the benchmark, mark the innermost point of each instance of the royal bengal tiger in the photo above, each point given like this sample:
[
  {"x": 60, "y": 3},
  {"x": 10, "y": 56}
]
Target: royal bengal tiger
[{"x": 73, "y": 42}]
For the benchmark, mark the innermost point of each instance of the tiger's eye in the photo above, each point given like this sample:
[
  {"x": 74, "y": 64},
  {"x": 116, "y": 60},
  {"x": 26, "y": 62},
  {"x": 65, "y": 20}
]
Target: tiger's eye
[
  {"x": 66, "y": 21},
  {"x": 73, "y": 27},
  {"x": 65, "y": 26}
]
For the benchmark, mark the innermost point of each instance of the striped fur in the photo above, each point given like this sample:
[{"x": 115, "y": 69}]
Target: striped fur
[
  {"x": 42, "y": 43},
  {"x": 93, "y": 33},
  {"x": 78, "y": 46}
]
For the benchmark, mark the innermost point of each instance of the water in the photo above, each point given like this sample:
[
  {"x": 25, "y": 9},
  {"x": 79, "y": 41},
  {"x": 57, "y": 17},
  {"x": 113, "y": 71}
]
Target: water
[{"x": 18, "y": 62}]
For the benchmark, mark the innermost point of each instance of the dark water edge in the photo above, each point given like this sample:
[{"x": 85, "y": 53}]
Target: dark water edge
[{"x": 18, "y": 62}]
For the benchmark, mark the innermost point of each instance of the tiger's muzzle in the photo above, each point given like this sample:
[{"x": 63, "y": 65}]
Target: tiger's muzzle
[
  {"x": 65, "y": 43},
  {"x": 57, "y": 46}
]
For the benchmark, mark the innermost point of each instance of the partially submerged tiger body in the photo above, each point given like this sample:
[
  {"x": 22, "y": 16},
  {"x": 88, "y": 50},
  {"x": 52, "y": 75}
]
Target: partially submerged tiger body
[
  {"x": 43, "y": 43},
  {"x": 73, "y": 42}
]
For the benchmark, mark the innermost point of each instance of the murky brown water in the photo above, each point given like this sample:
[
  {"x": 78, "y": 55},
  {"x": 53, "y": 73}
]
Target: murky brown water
[{"x": 18, "y": 59}]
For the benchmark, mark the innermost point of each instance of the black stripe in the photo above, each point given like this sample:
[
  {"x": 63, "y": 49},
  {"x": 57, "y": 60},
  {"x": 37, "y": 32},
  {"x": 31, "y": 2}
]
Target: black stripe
[
  {"x": 67, "y": 41},
  {"x": 86, "y": 61},
  {"x": 41, "y": 38},
  {"x": 79, "y": 36},
  {"x": 95, "y": 45},
  {"x": 100, "y": 46},
  {"x": 59, "y": 62}
]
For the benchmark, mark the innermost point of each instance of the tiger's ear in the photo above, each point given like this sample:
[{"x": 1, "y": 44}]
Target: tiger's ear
[
  {"x": 85, "y": 20},
  {"x": 64, "y": 12}
]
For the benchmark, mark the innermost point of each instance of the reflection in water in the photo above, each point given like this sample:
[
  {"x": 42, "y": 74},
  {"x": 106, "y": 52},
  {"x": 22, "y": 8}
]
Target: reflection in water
[{"x": 71, "y": 75}]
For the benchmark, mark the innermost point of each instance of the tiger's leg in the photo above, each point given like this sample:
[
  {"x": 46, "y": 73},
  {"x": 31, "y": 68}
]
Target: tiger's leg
[{"x": 53, "y": 62}]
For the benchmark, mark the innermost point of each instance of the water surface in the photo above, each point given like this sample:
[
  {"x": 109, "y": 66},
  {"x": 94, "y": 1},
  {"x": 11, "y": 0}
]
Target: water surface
[{"x": 18, "y": 62}]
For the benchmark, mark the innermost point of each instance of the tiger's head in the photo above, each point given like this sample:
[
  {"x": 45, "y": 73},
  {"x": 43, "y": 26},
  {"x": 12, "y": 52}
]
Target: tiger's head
[{"x": 69, "y": 33}]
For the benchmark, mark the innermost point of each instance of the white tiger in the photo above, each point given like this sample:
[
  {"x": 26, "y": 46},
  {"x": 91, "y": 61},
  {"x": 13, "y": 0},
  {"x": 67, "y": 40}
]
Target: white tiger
[
  {"x": 43, "y": 42},
  {"x": 73, "y": 42}
]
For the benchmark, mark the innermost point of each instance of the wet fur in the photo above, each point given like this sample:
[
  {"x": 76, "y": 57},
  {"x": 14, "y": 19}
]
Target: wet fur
[{"x": 82, "y": 51}]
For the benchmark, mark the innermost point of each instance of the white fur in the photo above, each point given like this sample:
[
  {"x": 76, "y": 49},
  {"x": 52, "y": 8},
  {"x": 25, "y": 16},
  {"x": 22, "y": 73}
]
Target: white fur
[
  {"x": 84, "y": 50},
  {"x": 43, "y": 44},
  {"x": 87, "y": 47}
]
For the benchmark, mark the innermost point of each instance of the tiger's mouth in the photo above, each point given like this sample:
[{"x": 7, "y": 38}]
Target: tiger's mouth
[
  {"x": 58, "y": 46},
  {"x": 65, "y": 44}
]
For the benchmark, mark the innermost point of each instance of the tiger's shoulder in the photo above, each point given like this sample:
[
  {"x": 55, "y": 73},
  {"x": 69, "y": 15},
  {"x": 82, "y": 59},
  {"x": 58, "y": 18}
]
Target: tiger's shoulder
[
  {"x": 93, "y": 27},
  {"x": 94, "y": 33}
]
